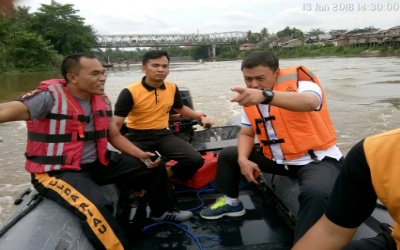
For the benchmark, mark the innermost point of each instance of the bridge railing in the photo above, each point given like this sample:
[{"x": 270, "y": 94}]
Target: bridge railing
[{"x": 148, "y": 40}]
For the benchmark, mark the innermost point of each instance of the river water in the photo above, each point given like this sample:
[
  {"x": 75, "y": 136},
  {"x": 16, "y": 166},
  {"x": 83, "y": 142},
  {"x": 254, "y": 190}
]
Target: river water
[{"x": 363, "y": 96}]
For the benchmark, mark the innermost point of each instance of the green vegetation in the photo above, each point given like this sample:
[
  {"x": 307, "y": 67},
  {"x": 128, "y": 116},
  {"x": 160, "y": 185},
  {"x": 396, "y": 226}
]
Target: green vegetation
[
  {"x": 31, "y": 42},
  {"x": 315, "y": 51},
  {"x": 38, "y": 41},
  {"x": 291, "y": 32},
  {"x": 65, "y": 30}
]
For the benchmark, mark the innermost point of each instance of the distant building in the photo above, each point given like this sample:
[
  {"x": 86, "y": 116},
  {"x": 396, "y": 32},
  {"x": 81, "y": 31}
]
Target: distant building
[
  {"x": 340, "y": 41},
  {"x": 280, "y": 42},
  {"x": 376, "y": 38},
  {"x": 248, "y": 46},
  {"x": 394, "y": 34},
  {"x": 384, "y": 38},
  {"x": 292, "y": 43},
  {"x": 319, "y": 40},
  {"x": 394, "y": 31}
]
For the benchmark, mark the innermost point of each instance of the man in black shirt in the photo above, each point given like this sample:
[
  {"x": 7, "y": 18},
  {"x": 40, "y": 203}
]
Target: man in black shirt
[
  {"x": 147, "y": 105},
  {"x": 370, "y": 171}
]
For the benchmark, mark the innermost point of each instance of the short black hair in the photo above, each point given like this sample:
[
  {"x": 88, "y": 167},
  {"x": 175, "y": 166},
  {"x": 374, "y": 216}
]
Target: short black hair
[
  {"x": 154, "y": 54},
  {"x": 72, "y": 63},
  {"x": 260, "y": 58}
]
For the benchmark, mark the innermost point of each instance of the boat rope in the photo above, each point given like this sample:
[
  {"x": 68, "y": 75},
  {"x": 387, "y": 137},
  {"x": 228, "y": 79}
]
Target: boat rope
[
  {"x": 188, "y": 233},
  {"x": 35, "y": 200},
  {"x": 209, "y": 188}
]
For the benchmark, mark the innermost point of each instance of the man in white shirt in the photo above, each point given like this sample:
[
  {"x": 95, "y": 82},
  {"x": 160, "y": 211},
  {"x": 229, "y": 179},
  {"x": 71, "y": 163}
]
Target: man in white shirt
[{"x": 286, "y": 110}]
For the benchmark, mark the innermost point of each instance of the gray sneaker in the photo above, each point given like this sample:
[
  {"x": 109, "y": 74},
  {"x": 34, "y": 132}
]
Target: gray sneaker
[
  {"x": 176, "y": 215},
  {"x": 220, "y": 209}
]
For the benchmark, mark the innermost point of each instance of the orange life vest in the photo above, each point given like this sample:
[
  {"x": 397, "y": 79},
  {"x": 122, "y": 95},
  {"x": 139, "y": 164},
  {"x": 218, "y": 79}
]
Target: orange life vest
[
  {"x": 55, "y": 142},
  {"x": 381, "y": 152},
  {"x": 297, "y": 133}
]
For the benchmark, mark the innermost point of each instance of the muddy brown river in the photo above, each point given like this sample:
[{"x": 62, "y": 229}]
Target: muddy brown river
[{"x": 363, "y": 96}]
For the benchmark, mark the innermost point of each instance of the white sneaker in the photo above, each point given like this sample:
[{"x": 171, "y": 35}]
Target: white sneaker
[{"x": 176, "y": 215}]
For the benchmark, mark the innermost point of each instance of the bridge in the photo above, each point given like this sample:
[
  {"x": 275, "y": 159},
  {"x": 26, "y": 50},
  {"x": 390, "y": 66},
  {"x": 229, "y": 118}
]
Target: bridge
[{"x": 166, "y": 40}]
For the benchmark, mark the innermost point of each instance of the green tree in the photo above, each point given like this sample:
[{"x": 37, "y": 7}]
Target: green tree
[
  {"x": 29, "y": 52},
  {"x": 177, "y": 51},
  {"x": 228, "y": 53},
  {"x": 253, "y": 37},
  {"x": 290, "y": 32},
  {"x": 315, "y": 32},
  {"x": 4, "y": 63},
  {"x": 366, "y": 29},
  {"x": 198, "y": 52},
  {"x": 264, "y": 34},
  {"x": 20, "y": 48},
  {"x": 21, "y": 18},
  {"x": 65, "y": 30},
  {"x": 337, "y": 32}
]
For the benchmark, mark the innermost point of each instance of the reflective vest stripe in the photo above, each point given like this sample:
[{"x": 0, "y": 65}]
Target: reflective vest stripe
[
  {"x": 276, "y": 149},
  {"x": 52, "y": 128},
  {"x": 286, "y": 78},
  {"x": 62, "y": 123},
  {"x": 53, "y": 124},
  {"x": 293, "y": 127},
  {"x": 48, "y": 147}
]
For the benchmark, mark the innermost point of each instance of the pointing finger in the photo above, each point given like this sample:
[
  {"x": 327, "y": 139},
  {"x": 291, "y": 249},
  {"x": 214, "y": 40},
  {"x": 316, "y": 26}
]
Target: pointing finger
[{"x": 239, "y": 90}]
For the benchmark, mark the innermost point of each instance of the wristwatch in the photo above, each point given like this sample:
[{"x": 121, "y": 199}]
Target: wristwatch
[{"x": 268, "y": 94}]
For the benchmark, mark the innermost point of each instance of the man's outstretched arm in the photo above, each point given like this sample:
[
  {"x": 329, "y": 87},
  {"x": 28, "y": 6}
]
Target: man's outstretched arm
[{"x": 14, "y": 111}]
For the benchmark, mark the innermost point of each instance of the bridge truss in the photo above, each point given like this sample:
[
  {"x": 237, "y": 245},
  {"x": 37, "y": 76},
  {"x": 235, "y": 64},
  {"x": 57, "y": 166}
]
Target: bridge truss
[{"x": 165, "y": 40}]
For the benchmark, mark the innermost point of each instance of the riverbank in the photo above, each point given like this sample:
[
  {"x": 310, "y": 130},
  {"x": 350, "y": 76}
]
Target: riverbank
[
  {"x": 295, "y": 52},
  {"x": 334, "y": 51}
]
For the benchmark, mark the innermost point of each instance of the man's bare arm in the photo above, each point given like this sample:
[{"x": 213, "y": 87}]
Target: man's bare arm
[
  {"x": 118, "y": 121},
  {"x": 325, "y": 235},
  {"x": 300, "y": 102},
  {"x": 14, "y": 111}
]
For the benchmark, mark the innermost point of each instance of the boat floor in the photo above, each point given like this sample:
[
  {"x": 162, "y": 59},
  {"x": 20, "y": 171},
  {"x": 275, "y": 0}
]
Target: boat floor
[{"x": 260, "y": 228}]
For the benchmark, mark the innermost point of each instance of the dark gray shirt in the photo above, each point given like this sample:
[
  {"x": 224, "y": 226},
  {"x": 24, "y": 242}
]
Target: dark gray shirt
[{"x": 41, "y": 104}]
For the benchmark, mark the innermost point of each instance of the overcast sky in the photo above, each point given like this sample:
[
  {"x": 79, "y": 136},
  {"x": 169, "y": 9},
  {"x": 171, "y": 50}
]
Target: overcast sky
[{"x": 213, "y": 16}]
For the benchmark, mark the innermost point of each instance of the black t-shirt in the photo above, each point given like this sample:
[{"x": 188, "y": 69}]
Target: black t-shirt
[{"x": 353, "y": 198}]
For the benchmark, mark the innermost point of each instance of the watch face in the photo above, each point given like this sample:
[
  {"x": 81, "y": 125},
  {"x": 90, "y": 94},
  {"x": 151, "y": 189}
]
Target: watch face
[{"x": 268, "y": 94}]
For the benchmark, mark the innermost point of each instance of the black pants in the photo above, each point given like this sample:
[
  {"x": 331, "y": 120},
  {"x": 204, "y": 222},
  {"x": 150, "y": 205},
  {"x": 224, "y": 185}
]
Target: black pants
[
  {"x": 80, "y": 192},
  {"x": 170, "y": 146},
  {"x": 316, "y": 182}
]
